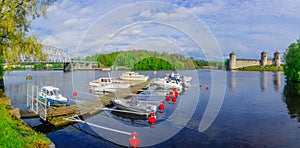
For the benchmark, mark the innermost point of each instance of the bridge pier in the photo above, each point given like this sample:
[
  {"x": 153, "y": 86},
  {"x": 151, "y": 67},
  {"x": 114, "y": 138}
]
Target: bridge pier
[{"x": 67, "y": 67}]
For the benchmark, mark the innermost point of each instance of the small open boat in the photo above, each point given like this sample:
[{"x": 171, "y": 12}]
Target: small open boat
[
  {"x": 52, "y": 95},
  {"x": 134, "y": 105}
]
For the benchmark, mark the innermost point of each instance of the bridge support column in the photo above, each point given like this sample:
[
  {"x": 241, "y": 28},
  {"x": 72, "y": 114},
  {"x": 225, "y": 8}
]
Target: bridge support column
[{"x": 67, "y": 67}]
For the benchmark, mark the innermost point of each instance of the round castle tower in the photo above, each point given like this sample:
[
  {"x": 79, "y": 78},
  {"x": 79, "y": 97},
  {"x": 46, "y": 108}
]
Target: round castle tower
[
  {"x": 232, "y": 60},
  {"x": 276, "y": 59},
  {"x": 263, "y": 59}
]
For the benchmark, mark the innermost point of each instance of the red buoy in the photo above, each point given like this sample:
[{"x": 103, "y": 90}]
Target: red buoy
[
  {"x": 174, "y": 99},
  {"x": 134, "y": 142},
  {"x": 174, "y": 89},
  {"x": 90, "y": 90},
  {"x": 206, "y": 88},
  {"x": 171, "y": 93},
  {"x": 168, "y": 98},
  {"x": 75, "y": 93},
  {"x": 176, "y": 93},
  {"x": 161, "y": 106},
  {"x": 34, "y": 101},
  {"x": 152, "y": 118}
]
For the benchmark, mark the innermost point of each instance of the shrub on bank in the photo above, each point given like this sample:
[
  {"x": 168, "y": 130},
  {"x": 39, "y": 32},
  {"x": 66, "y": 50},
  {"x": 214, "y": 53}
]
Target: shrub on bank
[
  {"x": 262, "y": 68},
  {"x": 15, "y": 133}
]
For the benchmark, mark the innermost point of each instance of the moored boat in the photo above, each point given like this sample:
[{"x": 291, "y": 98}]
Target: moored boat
[
  {"x": 134, "y": 105},
  {"x": 168, "y": 83},
  {"x": 133, "y": 76},
  {"x": 52, "y": 95},
  {"x": 172, "y": 80},
  {"x": 108, "y": 84}
]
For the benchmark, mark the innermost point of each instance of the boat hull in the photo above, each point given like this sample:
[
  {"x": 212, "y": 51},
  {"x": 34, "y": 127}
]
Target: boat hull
[
  {"x": 168, "y": 85},
  {"x": 144, "y": 79},
  {"x": 53, "y": 101}
]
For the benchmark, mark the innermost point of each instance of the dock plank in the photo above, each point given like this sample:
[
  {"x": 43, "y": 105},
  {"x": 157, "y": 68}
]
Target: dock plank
[{"x": 28, "y": 114}]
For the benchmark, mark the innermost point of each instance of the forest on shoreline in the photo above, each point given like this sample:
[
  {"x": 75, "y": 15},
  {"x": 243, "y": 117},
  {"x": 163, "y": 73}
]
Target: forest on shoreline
[{"x": 149, "y": 60}]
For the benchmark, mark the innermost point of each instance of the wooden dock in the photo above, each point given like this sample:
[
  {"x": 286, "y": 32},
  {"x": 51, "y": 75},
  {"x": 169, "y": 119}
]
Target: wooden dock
[{"x": 56, "y": 116}]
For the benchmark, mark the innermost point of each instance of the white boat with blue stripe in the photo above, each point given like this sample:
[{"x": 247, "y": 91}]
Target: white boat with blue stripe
[{"x": 52, "y": 95}]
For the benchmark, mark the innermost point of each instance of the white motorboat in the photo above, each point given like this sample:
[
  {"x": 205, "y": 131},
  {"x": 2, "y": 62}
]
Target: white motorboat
[
  {"x": 172, "y": 80},
  {"x": 168, "y": 83},
  {"x": 133, "y": 76},
  {"x": 108, "y": 84},
  {"x": 52, "y": 95},
  {"x": 134, "y": 105}
]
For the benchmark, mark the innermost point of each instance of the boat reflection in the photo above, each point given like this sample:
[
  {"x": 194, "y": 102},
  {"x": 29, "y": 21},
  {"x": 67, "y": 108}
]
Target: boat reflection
[{"x": 130, "y": 116}]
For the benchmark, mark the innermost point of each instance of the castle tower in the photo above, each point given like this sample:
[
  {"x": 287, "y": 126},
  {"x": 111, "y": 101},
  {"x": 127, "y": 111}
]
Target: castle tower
[
  {"x": 264, "y": 59},
  {"x": 276, "y": 59},
  {"x": 232, "y": 60}
]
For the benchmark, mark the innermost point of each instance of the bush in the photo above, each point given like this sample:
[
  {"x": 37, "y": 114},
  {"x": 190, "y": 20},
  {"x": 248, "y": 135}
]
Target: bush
[{"x": 292, "y": 62}]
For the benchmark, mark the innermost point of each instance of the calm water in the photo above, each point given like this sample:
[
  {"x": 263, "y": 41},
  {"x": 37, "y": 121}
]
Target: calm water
[{"x": 253, "y": 113}]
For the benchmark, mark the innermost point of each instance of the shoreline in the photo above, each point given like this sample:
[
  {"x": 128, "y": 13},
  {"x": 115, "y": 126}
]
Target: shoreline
[{"x": 17, "y": 133}]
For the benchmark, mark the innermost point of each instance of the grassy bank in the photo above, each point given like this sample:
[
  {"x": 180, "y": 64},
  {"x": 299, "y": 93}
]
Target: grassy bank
[
  {"x": 260, "y": 68},
  {"x": 15, "y": 133}
]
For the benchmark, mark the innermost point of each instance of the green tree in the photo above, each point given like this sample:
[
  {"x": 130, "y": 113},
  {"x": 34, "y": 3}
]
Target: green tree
[
  {"x": 16, "y": 16},
  {"x": 292, "y": 62}
]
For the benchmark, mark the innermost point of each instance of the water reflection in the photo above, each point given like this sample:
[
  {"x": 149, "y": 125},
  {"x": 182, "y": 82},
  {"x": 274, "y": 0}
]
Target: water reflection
[
  {"x": 232, "y": 82},
  {"x": 276, "y": 80},
  {"x": 292, "y": 99},
  {"x": 264, "y": 80}
]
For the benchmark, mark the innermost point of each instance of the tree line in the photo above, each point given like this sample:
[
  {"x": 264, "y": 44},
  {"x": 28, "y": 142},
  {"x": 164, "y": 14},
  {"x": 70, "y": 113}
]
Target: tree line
[{"x": 150, "y": 60}]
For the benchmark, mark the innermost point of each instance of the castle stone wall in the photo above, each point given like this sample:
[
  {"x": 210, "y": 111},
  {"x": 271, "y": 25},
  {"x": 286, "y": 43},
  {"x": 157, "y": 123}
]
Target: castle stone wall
[
  {"x": 235, "y": 63},
  {"x": 246, "y": 62},
  {"x": 270, "y": 62}
]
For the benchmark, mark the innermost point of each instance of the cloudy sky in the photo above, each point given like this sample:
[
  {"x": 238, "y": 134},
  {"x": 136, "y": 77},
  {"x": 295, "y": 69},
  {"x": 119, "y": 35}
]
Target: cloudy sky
[{"x": 199, "y": 28}]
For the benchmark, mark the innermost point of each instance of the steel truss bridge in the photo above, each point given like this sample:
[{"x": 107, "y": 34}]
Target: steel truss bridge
[{"x": 54, "y": 55}]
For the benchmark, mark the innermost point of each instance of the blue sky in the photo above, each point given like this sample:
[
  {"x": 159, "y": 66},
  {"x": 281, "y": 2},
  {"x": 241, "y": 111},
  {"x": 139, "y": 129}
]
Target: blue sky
[{"x": 85, "y": 27}]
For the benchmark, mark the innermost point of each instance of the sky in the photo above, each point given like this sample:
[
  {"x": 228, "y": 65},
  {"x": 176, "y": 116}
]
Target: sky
[{"x": 200, "y": 29}]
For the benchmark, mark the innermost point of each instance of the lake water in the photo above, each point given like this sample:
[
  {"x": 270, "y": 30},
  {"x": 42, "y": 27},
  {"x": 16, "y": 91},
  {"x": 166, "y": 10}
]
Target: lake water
[{"x": 254, "y": 112}]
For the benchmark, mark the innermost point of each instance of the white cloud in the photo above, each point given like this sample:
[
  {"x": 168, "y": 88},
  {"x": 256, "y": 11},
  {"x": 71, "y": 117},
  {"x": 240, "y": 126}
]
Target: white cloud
[
  {"x": 246, "y": 27},
  {"x": 70, "y": 22},
  {"x": 146, "y": 13},
  {"x": 208, "y": 8}
]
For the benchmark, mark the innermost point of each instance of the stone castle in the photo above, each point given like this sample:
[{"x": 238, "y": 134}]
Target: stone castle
[{"x": 235, "y": 63}]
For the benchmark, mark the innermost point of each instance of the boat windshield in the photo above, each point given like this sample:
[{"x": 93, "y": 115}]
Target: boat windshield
[
  {"x": 105, "y": 80},
  {"x": 56, "y": 92}
]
